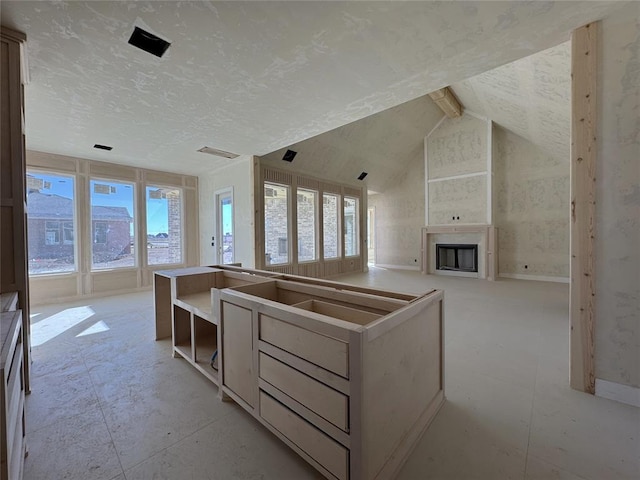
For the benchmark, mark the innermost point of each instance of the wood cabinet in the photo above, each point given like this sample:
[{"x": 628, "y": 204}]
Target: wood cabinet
[
  {"x": 12, "y": 390},
  {"x": 13, "y": 221},
  {"x": 349, "y": 377}
]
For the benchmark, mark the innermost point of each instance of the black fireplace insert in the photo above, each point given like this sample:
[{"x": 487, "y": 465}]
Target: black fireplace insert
[{"x": 457, "y": 258}]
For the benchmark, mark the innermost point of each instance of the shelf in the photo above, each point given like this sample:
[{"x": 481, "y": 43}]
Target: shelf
[
  {"x": 184, "y": 351},
  {"x": 198, "y": 303}
]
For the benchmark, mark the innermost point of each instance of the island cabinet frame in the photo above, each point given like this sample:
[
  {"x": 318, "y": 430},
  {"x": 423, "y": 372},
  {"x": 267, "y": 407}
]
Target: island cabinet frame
[
  {"x": 349, "y": 377},
  {"x": 348, "y": 380}
]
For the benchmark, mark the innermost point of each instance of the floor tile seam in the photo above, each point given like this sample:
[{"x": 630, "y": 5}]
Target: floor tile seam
[
  {"x": 61, "y": 420},
  {"x": 533, "y": 399},
  {"x": 561, "y": 468},
  {"x": 104, "y": 419},
  {"x": 509, "y": 382},
  {"x": 176, "y": 442}
]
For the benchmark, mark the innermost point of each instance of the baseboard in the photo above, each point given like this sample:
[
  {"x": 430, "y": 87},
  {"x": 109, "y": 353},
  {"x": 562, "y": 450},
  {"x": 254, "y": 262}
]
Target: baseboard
[
  {"x": 618, "y": 392},
  {"x": 397, "y": 267},
  {"x": 537, "y": 278}
]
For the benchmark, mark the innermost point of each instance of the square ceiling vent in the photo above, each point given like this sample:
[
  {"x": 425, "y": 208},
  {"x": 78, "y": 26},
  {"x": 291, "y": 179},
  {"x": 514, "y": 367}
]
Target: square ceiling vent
[{"x": 148, "y": 42}]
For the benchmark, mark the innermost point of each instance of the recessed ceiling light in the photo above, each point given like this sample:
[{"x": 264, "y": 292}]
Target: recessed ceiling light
[
  {"x": 148, "y": 42},
  {"x": 102, "y": 147},
  {"x": 362, "y": 175},
  {"x": 218, "y": 153},
  {"x": 289, "y": 155}
]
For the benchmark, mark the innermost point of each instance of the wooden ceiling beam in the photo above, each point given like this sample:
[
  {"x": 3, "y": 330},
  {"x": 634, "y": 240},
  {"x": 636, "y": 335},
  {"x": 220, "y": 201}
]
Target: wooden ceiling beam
[{"x": 447, "y": 102}]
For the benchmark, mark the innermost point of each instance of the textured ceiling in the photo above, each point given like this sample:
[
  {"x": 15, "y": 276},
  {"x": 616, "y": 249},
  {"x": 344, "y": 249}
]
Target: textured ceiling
[
  {"x": 252, "y": 77},
  {"x": 531, "y": 97},
  {"x": 382, "y": 144}
]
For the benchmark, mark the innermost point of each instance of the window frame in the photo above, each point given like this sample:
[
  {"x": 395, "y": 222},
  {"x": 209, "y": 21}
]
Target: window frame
[
  {"x": 356, "y": 224},
  {"x": 338, "y": 236},
  {"x": 76, "y": 249},
  {"x": 144, "y": 241},
  {"x": 135, "y": 215},
  {"x": 316, "y": 225},
  {"x": 290, "y": 189}
]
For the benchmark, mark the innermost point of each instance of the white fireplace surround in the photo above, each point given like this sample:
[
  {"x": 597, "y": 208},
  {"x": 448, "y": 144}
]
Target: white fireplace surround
[{"x": 485, "y": 236}]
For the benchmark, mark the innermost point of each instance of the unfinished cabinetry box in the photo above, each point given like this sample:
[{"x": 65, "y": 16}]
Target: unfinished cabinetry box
[
  {"x": 12, "y": 390},
  {"x": 183, "y": 312},
  {"x": 349, "y": 380},
  {"x": 349, "y": 377}
]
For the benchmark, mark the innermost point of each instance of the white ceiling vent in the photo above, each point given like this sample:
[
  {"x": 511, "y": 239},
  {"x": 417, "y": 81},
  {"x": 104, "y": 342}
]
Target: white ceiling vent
[{"x": 218, "y": 153}]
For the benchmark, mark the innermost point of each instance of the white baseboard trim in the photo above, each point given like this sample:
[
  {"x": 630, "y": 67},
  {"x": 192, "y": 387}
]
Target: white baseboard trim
[
  {"x": 618, "y": 392},
  {"x": 537, "y": 278},
  {"x": 397, "y": 267}
]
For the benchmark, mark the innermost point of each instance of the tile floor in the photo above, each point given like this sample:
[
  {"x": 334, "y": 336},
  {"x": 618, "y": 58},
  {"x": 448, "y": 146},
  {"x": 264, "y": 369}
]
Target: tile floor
[{"x": 109, "y": 402}]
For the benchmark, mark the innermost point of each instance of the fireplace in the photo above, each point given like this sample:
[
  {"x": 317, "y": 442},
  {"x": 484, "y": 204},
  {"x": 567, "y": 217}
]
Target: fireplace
[{"x": 457, "y": 257}]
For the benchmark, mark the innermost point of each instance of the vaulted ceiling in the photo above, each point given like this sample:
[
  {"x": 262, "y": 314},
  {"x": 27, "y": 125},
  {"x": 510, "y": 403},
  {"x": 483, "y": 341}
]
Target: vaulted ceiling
[
  {"x": 531, "y": 97},
  {"x": 253, "y": 77}
]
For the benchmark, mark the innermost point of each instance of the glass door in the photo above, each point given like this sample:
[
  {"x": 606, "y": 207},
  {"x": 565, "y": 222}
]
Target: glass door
[{"x": 224, "y": 243}]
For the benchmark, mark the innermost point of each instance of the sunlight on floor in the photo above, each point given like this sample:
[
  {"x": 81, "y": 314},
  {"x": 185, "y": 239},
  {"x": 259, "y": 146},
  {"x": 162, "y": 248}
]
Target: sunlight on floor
[
  {"x": 51, "y": 327},
  {"x": 95, "y": 328}
]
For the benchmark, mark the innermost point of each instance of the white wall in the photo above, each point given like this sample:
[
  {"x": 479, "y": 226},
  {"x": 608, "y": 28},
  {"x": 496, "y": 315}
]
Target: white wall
[
  {"x": 239, "y": 175},
  {"x": 456, "y": 149},
  {"x": 531, "y": 208},
  {"x": 617, "y": 345},
  {"x": 399, "y": 218}
]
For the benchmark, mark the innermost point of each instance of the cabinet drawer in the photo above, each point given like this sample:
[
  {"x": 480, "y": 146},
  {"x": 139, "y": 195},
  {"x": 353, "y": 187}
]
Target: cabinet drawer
[
  {"x": 328, "y": 453},
  {"x": 323, "y": 400},
  {"x": 14, "y": 390},
  {"x": 323, "y": 351}
]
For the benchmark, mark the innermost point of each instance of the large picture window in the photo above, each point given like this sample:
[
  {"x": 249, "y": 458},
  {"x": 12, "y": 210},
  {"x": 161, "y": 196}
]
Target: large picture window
[
  {"x": 351, "y": 227},
  {"x": 112, "y": 224},
  {"x": 307, "y": 221},
  {"x": 276, "y": 224},
  {"x": 164, "y": 225},
  {"x": 50, "y": 223},
  {"x": 331, "y": 225}
]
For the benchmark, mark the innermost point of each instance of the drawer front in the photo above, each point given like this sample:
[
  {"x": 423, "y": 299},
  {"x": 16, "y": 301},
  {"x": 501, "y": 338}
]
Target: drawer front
[
  {"x": 325, "y": 352},
  {"x": 328, "y": 453},
  {"x": 323, "y": 400}
]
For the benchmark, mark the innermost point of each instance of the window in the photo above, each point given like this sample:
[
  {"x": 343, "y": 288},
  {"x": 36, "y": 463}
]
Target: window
[
  {"x": 67, "y": 233},
  {"x": 331, "y": 226},
  {"x": 112, "y": 221},
  {"x": 351, "y": 227},
  {"x": 50, "y": 216},
  {"x": 276, "y": 224},
  {"x": 100, "y": 230},
  {"x": 52, "y": 233},
  {"x": 164, "y": 225},
  {"x": 307, "y": 225}
]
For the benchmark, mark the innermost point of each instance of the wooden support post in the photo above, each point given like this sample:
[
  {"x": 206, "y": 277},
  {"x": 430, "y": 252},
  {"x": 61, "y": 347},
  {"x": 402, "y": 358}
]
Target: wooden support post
[{"x": 583, "y": 205}]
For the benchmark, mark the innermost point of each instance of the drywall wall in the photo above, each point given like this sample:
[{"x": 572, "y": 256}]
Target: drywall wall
[
  {"x": 617, "y": 343},
  {"x": 239, "y": 176},
  {"x": 456, "y": 149},
  {"x": 399, "y": 215},
  {"x": 531, "y": 208}
]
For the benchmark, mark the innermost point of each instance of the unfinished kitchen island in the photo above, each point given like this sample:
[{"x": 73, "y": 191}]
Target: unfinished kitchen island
[{"x": 349, "y": 378}]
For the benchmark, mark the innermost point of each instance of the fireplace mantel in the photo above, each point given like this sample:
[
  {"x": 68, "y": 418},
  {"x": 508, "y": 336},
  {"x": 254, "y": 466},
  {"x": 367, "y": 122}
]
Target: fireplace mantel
[{"x": 490, "y": 251}]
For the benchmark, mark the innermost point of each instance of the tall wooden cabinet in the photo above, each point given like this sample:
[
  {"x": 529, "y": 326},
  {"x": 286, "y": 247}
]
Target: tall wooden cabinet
[{"x": 13, "y": 222}]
